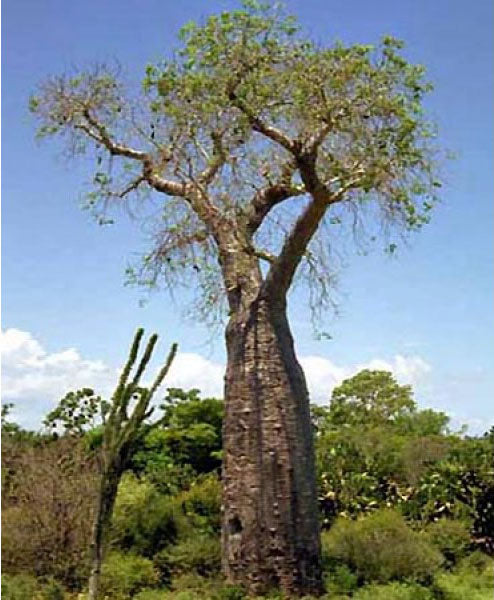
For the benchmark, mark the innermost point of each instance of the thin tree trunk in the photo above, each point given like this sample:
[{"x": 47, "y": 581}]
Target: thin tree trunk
[
  {"x": 106, "y": 501},
  {"x": 270, "y": 533}
]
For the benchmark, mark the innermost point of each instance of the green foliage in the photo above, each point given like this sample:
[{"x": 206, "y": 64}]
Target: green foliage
[
  {"x": 168, "y": 543},
  {"x": 123, "y": 575},
  {"x": 423, "y": 423},
  {"x": 230, "y": 592},
  {"x": 77, "y": 412},
  {"x": 151, "y": 595},
  {"x": 381, "y": 548},
  {"x": 185, "y": 442},
  {"x": 202, "y": 504},
  {"x": 144, "y": 520},
  {"x": 339, "y": 579},
  {"x": 236, "y": 78},
  {"x": 199, "y": 554},
  {"x": 469, "y": 580},
  {"x": 452, "y": 538},
  {"x": 19, "y": 587},
  {"x": 26, "y": 587},
  {"x": 370, "y": 398},
  {"x": 394, "y": 591},
  {"x": 460, "y": 486}
]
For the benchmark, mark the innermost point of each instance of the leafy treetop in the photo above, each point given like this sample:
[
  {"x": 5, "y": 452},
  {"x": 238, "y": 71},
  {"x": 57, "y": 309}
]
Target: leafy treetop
[{"x": 252, "y": 133}]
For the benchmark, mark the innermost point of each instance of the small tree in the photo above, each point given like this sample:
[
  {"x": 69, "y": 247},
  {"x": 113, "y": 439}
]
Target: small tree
[
  {"x": 121, "y": 430},
  {"x": 370, "y": 398},
  {"x": 262, "y": 146}
]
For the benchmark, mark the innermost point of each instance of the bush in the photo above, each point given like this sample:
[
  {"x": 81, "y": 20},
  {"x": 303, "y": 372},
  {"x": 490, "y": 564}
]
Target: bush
[
  {"x": 190, "y": 586},
  {"x": 19, "y": 587},
  {"x": 144, "y": 520},
  {"x": 393, "y": 591},
  {"x": 230, "y": 592},
  {"x": 47, "y": 514},
  {"x": 472, "y": 579},
  {"x": 27, "y": 587},
  {"x": 476, "y": 561},
  {"x": 200, "y": 555},
  {"x": 463, "y": 585},
  {"x": 52, "y": 590},
  {"x": 202, "y": 504},
  {"x": 150, "y": 594},
  {"x": 381, "y": 548},
  {"x": 452, "y": 538},
  {"x": 340, "y": 580},
  {"x": 123, "y": 575}
]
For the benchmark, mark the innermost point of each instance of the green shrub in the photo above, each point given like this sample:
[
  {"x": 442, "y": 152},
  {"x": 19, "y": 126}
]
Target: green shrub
[
  {"x": 150, "y": 594},
  {"x": 188, "y": 595},
  {"x": 123, "y": 575},
  {"x": 26, "y": 587},
  {"x": 192, "y": 586},
  {"x": 476, "y": 561},
  {"x": 452, "y": 538},
  {"x": 52, "y": 590},
  {"x": 472, "y": 579},
  {"x": 144, "y": 520},
  {"x": 460, "y": 586},
  {"x": 19, "y": 587},
  {"x": 202, "y": 504},
  {"x": 393, "y": 591},
  {"x": 200, "y": 555},
  {"x": 340, "y": 580},
  {"x": 230, "y": 592},
  {"x": 380, "y": 548}
]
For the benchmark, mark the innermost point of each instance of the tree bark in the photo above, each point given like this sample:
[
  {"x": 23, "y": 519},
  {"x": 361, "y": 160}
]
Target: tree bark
[
  {"x": 106, "y": 501},
  {"x": 270, "y": 533}
]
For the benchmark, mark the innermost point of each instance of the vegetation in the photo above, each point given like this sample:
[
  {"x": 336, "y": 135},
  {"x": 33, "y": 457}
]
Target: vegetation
[
  {"x": 389, "y": 534},
  {"x": 262, "y": 146}
]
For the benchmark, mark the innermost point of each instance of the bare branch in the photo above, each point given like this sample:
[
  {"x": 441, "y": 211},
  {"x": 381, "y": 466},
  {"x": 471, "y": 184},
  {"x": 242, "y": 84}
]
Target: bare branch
[
  {"x": 267, "y": 198},
  {"x": 180, "y": 241},
  {"x": 132, "y": 186},
  {"x": 100, "y": 134},
  {"x": 218, "y": 159},
  {"x": 264, "y": 255}
]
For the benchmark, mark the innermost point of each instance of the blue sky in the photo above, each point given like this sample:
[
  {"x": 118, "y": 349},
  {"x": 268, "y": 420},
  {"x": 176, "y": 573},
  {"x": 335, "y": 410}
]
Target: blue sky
[{"x": 427, "y": 313}]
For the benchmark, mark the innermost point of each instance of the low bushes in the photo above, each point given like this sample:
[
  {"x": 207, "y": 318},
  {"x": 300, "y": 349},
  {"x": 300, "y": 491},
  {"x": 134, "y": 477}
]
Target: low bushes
[
  {"x": 452, "y": 538},
  {"x": 200, "y": 554},
  {"x": 124, "y": 575},
  {"x": 381, "y": 548},
  {"x": 144, "y": 520},
  {"x": 473, "y": 578},
  {"x": 27, "y": 587},
  {"x": 393, "y": 591}
]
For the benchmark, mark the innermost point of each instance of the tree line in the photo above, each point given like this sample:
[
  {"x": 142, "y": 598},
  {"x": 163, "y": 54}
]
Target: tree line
[{"x": 405, "y": 504}]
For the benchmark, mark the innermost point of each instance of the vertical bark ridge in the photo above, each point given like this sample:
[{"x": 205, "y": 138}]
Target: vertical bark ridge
[{"x": 270, "y": 522}]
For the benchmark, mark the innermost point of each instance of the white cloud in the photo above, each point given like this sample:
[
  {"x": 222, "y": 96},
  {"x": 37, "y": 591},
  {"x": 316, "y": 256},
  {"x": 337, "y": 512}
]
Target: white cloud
[
  {"x": 194, "y": 371},
  {"x": 323, "y": 375},
  {"x": 35, "y": 380}
]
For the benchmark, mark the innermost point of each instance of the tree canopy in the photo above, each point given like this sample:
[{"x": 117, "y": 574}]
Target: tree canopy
[{"x": 250, "y": 128}]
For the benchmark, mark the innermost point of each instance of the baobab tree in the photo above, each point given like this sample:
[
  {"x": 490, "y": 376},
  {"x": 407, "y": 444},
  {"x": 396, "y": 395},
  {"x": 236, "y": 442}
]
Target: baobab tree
[{"x": 257, "y": 146}]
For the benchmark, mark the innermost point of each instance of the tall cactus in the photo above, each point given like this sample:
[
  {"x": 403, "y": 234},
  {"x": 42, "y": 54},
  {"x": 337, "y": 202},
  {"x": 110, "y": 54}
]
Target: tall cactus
[{"x": 121, "y": 431}]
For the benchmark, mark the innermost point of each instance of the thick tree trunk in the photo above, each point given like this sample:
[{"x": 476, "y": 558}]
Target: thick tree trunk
[{"x": 270, "y": 532}]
